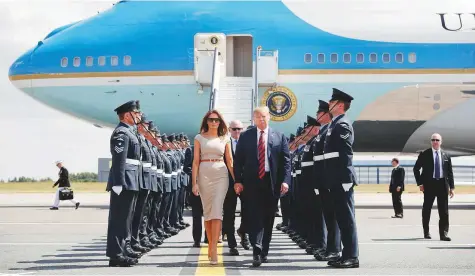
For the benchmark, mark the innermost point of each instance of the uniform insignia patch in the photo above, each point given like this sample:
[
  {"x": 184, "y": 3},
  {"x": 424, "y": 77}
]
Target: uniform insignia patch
[
  {"x": 345, "y": 136},
  {"x": 118, "y": 149},
  {"x": 329, "y": 133},
  {"x": 318, "y": 138},
  {"x": 307, "y": 147}
]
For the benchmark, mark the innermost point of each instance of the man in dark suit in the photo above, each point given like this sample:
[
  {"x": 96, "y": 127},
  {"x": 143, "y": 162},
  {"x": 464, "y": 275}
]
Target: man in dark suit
[
  {"x": 262, "y": 170},
  {"x": 436, "y": 180},
  {"x": 62, "y": 183},
  {"x": 396, "y": 187},
  {"x": 230, "y": 202}
]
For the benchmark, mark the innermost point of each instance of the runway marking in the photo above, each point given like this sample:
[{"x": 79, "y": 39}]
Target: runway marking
[
  {"x": 204, "y": 268},
  {"x": 435, "y": 243},
  {"x": 39, "y": 243},
  {"x": 53, "y": 223}
]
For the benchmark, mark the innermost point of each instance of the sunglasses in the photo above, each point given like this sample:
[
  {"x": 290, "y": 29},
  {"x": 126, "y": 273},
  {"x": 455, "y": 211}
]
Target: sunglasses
[
  {"x": 435, "y": 140},
  {"x": 214, "y": 120},
  {"x": 236, "y": 128}
]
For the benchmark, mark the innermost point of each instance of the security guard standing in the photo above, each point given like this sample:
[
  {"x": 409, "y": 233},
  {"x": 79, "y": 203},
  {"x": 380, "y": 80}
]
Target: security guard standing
[
  {"x": 123, "y": 185},
  {"x": 321, "y": 187},
  {"x": 341, "y": 177}
]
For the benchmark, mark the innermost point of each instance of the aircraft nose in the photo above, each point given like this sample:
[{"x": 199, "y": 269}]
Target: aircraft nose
[{"x": 19, "y": 69}]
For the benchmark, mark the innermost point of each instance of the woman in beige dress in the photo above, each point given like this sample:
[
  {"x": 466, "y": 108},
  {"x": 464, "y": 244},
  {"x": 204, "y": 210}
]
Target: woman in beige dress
[{"x": 211, "y": 163}]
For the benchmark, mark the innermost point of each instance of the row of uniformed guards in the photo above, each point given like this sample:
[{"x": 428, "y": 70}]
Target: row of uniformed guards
[
  {"x": 144, "y": 182},
  {"x": 318, "y": 213}
]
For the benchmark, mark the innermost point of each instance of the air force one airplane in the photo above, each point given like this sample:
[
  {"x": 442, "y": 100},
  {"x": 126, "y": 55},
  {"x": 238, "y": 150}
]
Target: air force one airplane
[{"x": 410, "y": 65}]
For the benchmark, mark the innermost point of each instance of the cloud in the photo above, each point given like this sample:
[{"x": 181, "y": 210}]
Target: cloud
[{"x": 34, "y": 135}]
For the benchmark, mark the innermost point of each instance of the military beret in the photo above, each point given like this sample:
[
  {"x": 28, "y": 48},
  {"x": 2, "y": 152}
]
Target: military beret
[
  {"x": 128, "y": 106},
  {"x": 339, "y": 95},
  {"x": 323, "y": 106}
]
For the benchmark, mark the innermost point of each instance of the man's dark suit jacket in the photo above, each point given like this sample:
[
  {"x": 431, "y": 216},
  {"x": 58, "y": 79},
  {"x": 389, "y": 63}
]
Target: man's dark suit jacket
[
  {"x": 63, "y": 180},
  {"x": 397, "y": 179},
  {"x": 426, "y": 162},
  {"x": 246, "y": 162}
]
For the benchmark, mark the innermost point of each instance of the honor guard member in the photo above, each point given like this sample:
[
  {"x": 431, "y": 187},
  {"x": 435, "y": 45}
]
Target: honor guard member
[
  {"x": 333, "y": 248},
  {"x": 157, "y": 190},
  {"x": 317, "y": 232},
  {"x": 180, "y": 224},
  {"x": 123, "y": 185},
  {"x": 170, "y": 174},
  {"x": 341, "y": 177},
  {"x": 284, "y": 201},
  {"x": 162, "y": 220},
  {"x": 184, "y": 181},
  {"x": 297, "y": 204},
  {"x": 145, "y": 186},
  {"x": 149, "y": 163},
  {"x": 292, "y": 228},
  {"x": 173, "y": 213}
]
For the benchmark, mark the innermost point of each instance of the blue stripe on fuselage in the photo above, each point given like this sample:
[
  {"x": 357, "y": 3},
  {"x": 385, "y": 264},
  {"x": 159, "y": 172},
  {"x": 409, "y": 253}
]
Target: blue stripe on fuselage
[{"x": 159, "y": 36}]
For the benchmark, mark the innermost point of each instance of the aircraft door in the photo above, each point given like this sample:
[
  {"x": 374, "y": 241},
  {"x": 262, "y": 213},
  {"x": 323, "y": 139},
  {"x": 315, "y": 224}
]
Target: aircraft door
[{"x": 204, "y": 45}]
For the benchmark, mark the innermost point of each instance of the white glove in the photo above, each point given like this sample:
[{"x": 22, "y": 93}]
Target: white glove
[
  {"x": 347, "y": 186},
  {"x": 117, "y": 189},
  {"x": 316, "y": 191}
]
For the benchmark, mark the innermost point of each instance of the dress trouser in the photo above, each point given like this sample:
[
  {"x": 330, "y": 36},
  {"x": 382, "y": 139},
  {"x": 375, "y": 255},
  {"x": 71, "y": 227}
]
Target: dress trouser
[{"x": 119, "y": 230}]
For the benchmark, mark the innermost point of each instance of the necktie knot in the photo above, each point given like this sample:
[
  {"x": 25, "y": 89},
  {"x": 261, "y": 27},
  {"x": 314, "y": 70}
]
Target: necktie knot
[{"x": 262, "y": 132}]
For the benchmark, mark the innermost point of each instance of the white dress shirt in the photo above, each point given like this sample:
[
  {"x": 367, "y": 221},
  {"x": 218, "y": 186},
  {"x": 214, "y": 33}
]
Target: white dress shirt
[
  {"x": 265, "y": 137},
  {"x": 233, "y": 144},
  {"x": 440, "y": 163}
]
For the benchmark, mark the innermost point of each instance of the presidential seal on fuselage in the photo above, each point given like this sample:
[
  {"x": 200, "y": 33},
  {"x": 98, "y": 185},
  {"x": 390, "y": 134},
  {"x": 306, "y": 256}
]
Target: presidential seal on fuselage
[{"x": 281, "y": 102}]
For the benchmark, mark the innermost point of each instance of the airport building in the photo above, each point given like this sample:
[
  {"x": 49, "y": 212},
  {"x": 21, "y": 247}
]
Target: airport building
[{"x": 367, "y": 171}]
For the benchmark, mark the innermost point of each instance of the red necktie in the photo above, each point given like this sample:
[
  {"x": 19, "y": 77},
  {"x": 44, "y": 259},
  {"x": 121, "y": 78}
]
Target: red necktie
[{"x": 262, "y": 153}]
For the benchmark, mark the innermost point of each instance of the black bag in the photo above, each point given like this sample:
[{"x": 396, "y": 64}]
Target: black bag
[{"x": 66, "y": 194}]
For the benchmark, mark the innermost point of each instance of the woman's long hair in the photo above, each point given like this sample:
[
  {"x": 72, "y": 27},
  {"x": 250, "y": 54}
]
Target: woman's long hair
[{"x": 222, "y": 129}]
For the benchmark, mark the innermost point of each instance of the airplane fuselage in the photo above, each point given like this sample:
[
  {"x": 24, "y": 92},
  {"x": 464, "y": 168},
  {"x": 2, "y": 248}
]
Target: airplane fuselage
[{"x": 411, "y": 72}]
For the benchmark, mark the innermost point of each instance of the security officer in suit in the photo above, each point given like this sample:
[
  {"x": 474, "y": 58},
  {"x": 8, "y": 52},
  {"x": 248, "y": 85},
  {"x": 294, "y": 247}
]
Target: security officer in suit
[
  {"x": 341, "y": 178},
  {"x": 436, "y": 181},
  {"x": 322, "y": 188},
  {"x": 396, "y": 187},
  {"x": 123, "y": 185}
]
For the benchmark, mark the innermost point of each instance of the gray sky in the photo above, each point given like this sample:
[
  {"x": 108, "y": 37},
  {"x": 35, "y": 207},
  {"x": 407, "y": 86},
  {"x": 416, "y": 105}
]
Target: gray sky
[{"x": 33, "y": 135}]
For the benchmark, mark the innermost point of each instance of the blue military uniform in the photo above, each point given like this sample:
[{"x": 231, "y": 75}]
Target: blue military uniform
[
  {"x": 140, "y": 209},
  {"x": 333, "y": 232},
  {"x": 316, "y": 229},
  {"x": 156, "y": 235},
  {"x": 123, "y": 185},
  {"x": 341, "y": 178}
]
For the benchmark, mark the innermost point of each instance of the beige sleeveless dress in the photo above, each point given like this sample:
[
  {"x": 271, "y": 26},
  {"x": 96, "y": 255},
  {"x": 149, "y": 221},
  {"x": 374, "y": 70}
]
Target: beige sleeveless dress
[{"x": 213, "y": 179}]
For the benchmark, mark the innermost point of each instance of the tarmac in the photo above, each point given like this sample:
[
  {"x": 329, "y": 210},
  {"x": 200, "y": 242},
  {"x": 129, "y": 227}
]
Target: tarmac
[{"x": 37, "y": 241}]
